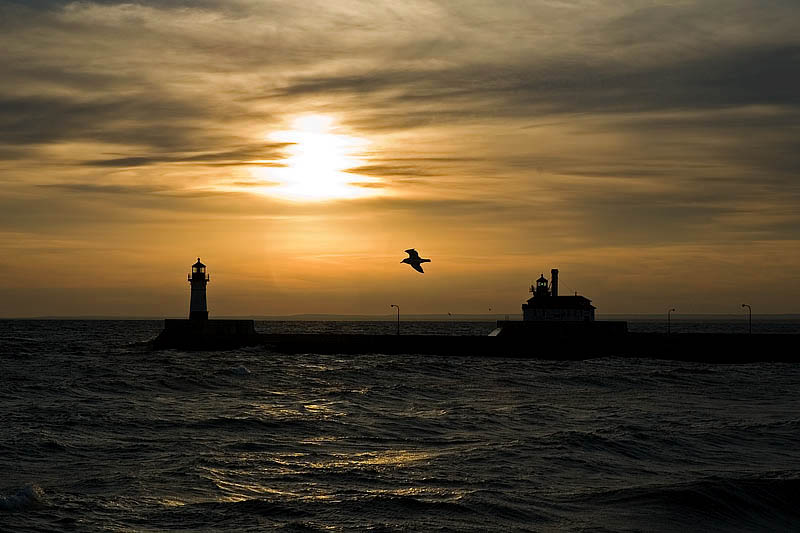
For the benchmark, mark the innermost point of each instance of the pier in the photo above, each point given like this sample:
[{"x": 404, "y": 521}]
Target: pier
[
  {"x": 699, "y": 347},
  {"x": 554, "y": 327}
]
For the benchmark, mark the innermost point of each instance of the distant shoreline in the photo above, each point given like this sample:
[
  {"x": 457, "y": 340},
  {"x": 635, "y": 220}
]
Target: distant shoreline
[{"x": 423, "y": 317}]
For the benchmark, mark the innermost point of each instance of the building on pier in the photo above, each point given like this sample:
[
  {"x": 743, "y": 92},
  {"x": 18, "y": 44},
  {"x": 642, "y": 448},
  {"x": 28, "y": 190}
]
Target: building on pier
[{"x": 547, "y": 305}]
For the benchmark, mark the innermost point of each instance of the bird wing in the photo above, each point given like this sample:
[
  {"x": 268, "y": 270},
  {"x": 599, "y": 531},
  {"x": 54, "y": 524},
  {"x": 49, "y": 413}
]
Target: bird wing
[
  {"x": 417, "y": 267},
  {"x": 412, "y": 253}
]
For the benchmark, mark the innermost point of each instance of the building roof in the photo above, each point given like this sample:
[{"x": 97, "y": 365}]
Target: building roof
[
  {"x": 198, "y": 264},
  {"x": 559, "y": 302}
]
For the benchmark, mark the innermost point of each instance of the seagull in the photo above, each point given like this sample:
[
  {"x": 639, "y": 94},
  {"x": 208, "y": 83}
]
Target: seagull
[{"x": 415, "y": 260}]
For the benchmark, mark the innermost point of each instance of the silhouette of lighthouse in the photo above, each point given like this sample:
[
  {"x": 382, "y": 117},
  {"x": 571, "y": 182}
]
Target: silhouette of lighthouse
[{"x": 198, "y": 309}]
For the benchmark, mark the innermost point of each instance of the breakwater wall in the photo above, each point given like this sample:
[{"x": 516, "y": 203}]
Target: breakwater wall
[
  {"x": 187, "y": 334},
  {"x": 561, "y": 345},
  {"x": 712, "y": 348}
]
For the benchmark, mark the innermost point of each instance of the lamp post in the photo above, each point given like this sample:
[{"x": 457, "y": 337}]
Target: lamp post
[
  {"x": 398, "y": 317},
  {"x": 669, "y": 320},
  {"x": 749, "y": 318}
]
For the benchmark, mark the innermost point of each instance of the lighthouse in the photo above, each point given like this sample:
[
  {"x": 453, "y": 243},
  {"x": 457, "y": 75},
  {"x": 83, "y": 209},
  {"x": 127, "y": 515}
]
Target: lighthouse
[
  {"x": 198, "y": 309},
  {"x": 200, "y": 333}
]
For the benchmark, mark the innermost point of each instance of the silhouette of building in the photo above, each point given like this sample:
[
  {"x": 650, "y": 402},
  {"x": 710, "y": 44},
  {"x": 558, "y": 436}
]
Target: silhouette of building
[
  {"x": 547, "y": 305},
  {"x": 198, "y": 308},
  {"x": 200, "y": 333},
  {"x": 559, "y": 319}
]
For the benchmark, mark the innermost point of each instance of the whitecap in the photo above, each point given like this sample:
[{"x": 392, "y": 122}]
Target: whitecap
[{"x": 28, "y": 496}]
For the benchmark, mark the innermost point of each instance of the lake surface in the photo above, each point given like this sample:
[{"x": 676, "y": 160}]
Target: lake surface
[{"x": 99, "y": 433}]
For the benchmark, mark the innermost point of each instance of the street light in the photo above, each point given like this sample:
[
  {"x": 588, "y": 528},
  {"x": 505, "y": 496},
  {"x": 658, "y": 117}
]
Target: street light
[
  {"x": 749, "y": 318},
  {"x": 669, "y": 320},
  {"x": 398, "y": 317}
]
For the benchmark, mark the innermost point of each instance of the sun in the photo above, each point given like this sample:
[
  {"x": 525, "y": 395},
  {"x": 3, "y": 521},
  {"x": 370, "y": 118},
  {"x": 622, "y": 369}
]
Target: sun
[{"x": 318, "y": 156}]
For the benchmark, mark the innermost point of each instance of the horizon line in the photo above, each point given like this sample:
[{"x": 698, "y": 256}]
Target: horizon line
[{"x": 390, "y": 317}]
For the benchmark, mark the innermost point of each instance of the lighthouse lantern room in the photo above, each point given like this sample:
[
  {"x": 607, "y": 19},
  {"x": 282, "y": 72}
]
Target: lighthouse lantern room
[{"x": 198, "y": 309}]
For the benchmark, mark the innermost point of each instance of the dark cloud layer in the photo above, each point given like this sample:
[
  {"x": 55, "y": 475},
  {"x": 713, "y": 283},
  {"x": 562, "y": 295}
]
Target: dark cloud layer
[
  {"x": 240, "y": 156},
  {"x": 139, "y": 120},
  {"x": 727, "y": 78}
]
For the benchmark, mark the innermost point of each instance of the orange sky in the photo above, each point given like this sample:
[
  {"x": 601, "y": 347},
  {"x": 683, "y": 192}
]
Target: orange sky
[{"x": 649, "y": 150}]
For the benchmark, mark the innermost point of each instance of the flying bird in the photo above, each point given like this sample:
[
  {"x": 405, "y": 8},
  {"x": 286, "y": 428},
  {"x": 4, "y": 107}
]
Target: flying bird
[{"x": 415, "y": 260}]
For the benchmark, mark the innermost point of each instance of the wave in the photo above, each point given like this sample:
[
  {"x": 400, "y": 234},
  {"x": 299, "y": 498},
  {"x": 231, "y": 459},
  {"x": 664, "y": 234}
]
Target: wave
[
  {"x": 27, "y": 497},
  {"x": 388, "y": 503},
  {"x": 626, "y": 446},
  {"x": 746, "y": 503},
  {"x": 285, "y": 423},
  {"x": 300, "y": 527},
  {"x": 22, "y": 339},
  {"x": 256, "y": 506},
  {"x": 240, "y": 371},
  {"x": 372, "y": 507},
  {"x": 468, "y": 509}
]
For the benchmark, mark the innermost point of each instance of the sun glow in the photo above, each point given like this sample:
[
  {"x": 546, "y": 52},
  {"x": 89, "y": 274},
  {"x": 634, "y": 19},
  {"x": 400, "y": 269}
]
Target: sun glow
[{"x": 316, "y": 164}]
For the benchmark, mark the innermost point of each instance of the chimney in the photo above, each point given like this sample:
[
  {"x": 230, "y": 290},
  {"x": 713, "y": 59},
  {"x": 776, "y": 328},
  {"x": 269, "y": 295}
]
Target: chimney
[{"x": 554, "y": 282}]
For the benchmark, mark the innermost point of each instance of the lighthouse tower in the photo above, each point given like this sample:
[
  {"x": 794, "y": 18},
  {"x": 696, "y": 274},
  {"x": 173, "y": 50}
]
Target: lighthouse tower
[{"x": 198, "y": 310}]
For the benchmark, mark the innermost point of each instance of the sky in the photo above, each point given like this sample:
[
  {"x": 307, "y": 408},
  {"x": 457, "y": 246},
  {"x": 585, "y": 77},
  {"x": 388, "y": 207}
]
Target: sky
[{"x": 649, "y": 150}]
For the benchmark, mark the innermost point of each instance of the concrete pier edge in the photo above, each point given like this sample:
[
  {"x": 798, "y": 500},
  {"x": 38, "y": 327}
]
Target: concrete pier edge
[{"x": 565, "y": 345}]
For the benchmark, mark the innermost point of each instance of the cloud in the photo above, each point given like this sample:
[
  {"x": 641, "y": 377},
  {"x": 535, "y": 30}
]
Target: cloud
[
  {"x": 247, "y": 155},
  {"x": 103, "y": 189},
  {"x": 135, "y": 121},
  {"x": 524, "y": 128},
  {"x": 731, "y": 77}
]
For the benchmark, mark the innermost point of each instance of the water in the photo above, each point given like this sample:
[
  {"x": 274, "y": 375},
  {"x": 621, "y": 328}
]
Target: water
[{"x": 99, "y": 434}]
